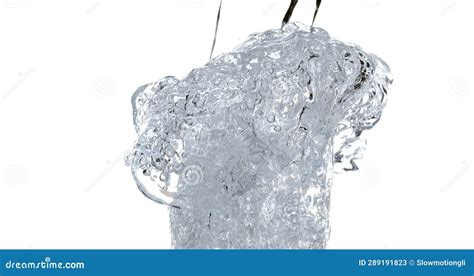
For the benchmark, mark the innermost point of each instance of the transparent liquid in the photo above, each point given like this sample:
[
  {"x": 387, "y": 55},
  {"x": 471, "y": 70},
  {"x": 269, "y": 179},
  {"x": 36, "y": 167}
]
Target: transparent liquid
[{"x": 243, "y": 149}]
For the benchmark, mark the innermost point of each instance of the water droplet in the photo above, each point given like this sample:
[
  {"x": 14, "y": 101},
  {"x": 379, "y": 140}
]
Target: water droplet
[
  {"x": 163, "y": 177},
  {"x": 231, "y": 128},
  {"x": 271, "y": 118},
  {"x": 178, "y": 168},
  {"x": 169, "y": 152}
]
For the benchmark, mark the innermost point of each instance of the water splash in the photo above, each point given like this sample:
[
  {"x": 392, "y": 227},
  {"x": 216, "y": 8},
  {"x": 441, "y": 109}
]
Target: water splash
[{"x": 243, "y": 149}]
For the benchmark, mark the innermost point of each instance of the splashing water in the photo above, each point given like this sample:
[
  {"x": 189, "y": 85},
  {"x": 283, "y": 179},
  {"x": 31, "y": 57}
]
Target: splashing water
[{"x": 243, "y": 149}]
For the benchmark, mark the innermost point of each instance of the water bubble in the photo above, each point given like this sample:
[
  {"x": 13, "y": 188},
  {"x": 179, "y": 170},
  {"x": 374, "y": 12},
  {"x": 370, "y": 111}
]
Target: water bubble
[
  {"x": 271, "y": 118},
  {"x": 146, "y": 172},
  {"x": 163, "y": 177},
  {"x": 178, "y": 168},
  {"x": 231, "y": 128}
]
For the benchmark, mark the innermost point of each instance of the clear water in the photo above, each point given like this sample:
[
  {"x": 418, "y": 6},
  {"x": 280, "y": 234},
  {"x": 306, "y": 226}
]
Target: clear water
[{"x": 243, "y": 149}]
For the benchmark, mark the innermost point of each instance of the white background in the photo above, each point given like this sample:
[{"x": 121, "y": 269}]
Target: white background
[{"x": 68, "y": 69}]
